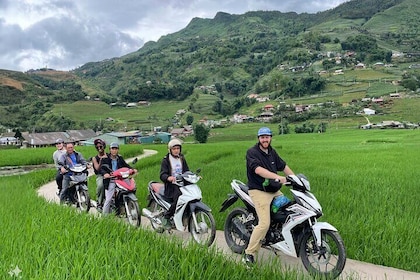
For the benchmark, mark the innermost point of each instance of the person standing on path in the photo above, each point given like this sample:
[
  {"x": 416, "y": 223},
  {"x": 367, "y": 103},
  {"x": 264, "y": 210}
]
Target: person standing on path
[
  {"x": 100, "y": 146},
  {"x": 59, "y": 144}
]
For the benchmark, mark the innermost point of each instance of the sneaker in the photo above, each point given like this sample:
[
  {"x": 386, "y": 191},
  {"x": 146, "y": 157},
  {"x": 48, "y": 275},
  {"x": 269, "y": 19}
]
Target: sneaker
[
  {"x": 248, "y": 260},
  {"x": 166, "y": 223},
  {"x": 58, "y": 192}
]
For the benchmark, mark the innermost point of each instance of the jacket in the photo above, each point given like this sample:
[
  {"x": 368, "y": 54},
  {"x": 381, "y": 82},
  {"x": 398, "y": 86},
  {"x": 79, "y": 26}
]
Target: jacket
[
  {"x": 256, "y": 157},
  {"x": 166, "y": 171},
  {"x": 106, "y": 167},
  {"x": 66, "y": 162}
]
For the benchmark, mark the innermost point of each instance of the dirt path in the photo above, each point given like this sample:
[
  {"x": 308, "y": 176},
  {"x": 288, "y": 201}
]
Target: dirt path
[{"x": 353, "y": 270}]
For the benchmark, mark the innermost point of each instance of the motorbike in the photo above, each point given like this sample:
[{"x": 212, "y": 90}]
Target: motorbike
[
  {"x": 124, "y": 202},
  {"x": 77, "y": 192},
  {"x": 294, "y": 229},
  {"x": 191, "y": 213}
]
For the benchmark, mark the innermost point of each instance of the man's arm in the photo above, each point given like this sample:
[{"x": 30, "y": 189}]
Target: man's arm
[{"x": 265, "y": 173}]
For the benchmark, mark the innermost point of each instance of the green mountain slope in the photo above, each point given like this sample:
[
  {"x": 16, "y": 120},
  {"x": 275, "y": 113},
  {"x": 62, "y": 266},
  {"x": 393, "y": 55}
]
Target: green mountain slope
[{"x": 267, "y": 52}]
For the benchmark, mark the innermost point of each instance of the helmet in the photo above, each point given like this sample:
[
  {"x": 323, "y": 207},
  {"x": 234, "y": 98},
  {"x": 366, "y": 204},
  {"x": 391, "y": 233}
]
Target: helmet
[
  {"x": 264, "y": 131},
  {"x": 99, "y": 141},
  {"x": 114, "y": 145},
  {"x": 174, "y": 142},
  {"x": 59, "y": 141}
]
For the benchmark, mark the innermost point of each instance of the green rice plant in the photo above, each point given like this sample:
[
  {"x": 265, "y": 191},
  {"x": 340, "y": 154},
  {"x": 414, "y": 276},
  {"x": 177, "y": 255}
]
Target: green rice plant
[
  {"x": 48, "y": 241},
  {"x": 364, "y": 179}
]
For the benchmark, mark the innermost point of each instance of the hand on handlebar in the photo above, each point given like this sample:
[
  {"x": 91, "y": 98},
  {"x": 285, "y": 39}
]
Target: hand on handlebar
[{"x": 171, "y": 179}]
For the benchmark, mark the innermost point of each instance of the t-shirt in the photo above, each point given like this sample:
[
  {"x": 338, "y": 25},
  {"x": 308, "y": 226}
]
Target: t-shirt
[{"x": 176, "y": 165}]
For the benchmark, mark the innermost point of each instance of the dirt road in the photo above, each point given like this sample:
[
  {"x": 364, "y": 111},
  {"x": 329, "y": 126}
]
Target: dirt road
[{"x": 353, "y": 269}]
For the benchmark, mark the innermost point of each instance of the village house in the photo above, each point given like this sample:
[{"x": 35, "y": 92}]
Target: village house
[
  {"x": 182, "y": 132},
  {"x": 45, "y": 139},
  {"x": 268, "y": 107}
]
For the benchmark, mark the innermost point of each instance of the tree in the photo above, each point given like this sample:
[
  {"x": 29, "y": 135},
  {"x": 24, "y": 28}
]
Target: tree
[
  {"x": 18, "y": 135},
  {"x": 284, "y": 127},
  {"x": 201, "y": 133},
  {"x": 190, "y": 119}
]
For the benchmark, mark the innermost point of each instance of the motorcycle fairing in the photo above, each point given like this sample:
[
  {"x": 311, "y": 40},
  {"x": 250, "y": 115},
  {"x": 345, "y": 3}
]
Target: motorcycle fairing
[
  {"x": 126, "y": 184},
  {"x": 156, "y": 190}
]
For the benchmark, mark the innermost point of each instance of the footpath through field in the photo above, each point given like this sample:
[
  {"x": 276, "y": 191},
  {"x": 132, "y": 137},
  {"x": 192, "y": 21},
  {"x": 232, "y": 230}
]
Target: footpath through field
[{"x": 353, "y": 270}]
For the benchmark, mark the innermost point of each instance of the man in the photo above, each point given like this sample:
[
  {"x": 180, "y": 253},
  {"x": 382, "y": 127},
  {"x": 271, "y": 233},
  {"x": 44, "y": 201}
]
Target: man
[
  {"x": 69, "y": 159},
  {"x": 114, "y": 161},
  {"x": 263, "y": 162},
  {"x": 59, "y": 144},
  {"x": 100, "y": 146},
  {"x": 172, "y": 164}
]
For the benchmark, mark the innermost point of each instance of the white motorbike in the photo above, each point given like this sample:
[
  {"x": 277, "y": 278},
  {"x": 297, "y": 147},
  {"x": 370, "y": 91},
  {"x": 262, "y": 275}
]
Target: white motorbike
[
  {"x": 78, "y": 193},
  {"x": 294, "y": 229},
  {"x": 191, "y": 213}
]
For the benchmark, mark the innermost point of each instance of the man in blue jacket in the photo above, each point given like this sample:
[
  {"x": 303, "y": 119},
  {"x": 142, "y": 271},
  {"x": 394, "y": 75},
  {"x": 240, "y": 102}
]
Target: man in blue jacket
[{"x": 67, "y": 160}]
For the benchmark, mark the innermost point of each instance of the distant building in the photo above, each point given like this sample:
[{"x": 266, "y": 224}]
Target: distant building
[{"x": 368, "y": 111}]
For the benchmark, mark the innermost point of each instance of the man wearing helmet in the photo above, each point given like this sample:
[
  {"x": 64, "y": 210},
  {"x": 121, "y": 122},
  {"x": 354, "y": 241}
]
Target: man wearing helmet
[
  {"x": 262, "y": 163},
  {"x": 100, "y": 146},
  {"x": 173, "y": 164},
  {"x": 59, "y": 144}
]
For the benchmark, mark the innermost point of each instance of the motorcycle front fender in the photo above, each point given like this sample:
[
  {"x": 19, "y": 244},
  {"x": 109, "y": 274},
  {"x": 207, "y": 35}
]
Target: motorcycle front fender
[
  {"x": 199, "y": 205},
  {"x": 81, "y": 187},
  {"x": 228, "y": 202},
  {"x": 318, "y": 227},
  {"x": 131, "y": 196}
]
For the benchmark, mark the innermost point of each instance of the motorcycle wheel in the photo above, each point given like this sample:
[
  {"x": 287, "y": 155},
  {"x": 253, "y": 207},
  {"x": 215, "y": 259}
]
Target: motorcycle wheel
[
  {"x": 206, "y": 231},
  {"x": 155, "y": 208},
  {"x": 326, "y": 261},
  {"x": 83, "y": 200},
  {"x": 133, "y": 213},
  {"x": 237, "y": 230}
]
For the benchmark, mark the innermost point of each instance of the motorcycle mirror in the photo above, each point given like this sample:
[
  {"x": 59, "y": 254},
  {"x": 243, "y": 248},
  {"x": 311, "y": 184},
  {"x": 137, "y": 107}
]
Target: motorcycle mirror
[
  {"x": 198, "y": 171},
  {"x": 90, "y": 159},
  {"x": 134, "y": 161}
]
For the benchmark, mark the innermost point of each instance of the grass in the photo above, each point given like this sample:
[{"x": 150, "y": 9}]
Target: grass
[
  {"x": 47, "y": 241},
  {"x": 364, "y": 179}
]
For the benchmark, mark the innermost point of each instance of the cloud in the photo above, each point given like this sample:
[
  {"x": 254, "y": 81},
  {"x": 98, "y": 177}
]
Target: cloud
[{"x": 64, "y": 34}]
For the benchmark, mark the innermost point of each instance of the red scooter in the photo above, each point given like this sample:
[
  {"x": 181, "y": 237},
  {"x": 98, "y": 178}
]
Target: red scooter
[{"x": 124, "y": 202}]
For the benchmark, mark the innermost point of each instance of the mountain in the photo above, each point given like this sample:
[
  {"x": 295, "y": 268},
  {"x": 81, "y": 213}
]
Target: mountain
[
  {"x": 236, "y": 50},
  {"x": 227, "y": 57}
]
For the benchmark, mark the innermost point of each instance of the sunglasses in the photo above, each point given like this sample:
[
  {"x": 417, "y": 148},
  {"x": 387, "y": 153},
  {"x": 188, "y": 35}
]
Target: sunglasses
[
  {"x": 114, "y": 148},
  {"x": 99, "y": 147}
]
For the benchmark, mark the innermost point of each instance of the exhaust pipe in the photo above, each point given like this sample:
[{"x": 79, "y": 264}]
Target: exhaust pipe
[{"x": 146, "y": 212}]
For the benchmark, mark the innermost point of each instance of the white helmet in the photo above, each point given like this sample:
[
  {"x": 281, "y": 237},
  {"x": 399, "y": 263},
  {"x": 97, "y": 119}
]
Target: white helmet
[{"x": 173, "y": 143}]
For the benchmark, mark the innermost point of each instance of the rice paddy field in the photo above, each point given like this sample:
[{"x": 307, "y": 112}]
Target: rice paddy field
[{"x": 366, "y": 181}]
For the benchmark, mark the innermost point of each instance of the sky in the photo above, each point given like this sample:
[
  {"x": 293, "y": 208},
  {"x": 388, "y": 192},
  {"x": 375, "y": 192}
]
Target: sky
[{"x": 65, "y": 34}]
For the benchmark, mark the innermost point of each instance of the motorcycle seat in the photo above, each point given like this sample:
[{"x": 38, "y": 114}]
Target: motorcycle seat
[{"x": 158, "y": 188}]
